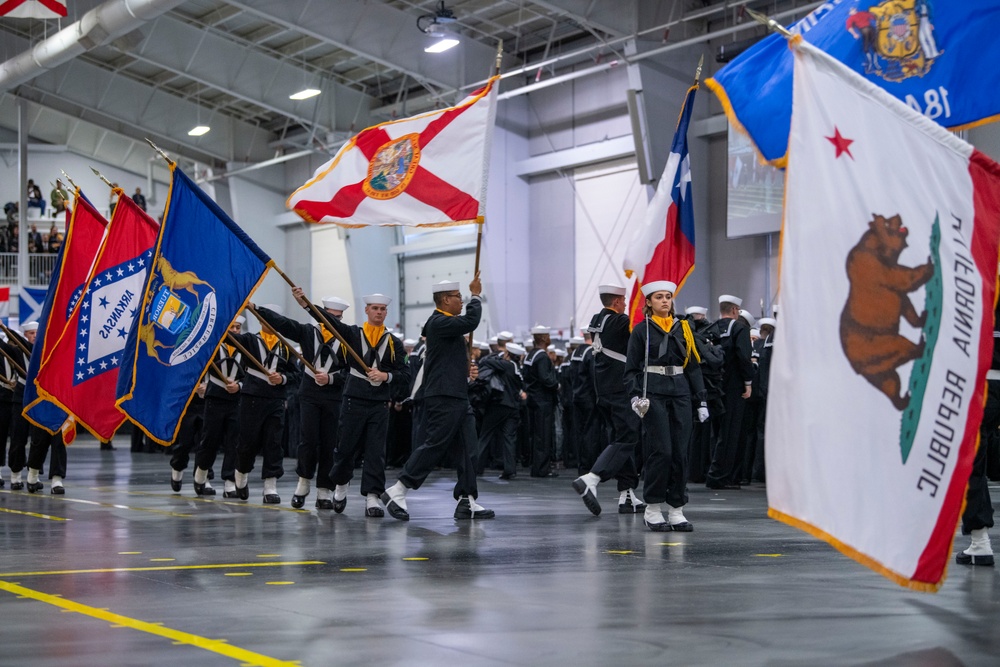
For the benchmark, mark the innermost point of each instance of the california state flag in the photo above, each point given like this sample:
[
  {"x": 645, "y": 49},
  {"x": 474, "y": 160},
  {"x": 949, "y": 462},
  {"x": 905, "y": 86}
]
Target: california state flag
[
  {"x": 425, "y": 171},
  {"x": 888, "y": 273}
]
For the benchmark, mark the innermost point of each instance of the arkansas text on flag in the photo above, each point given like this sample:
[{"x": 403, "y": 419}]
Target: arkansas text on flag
[
  {"x": 33, "y": 9},
  {"x": 425, "y": 171},
  {"x": 663, "y": 248},
  {"x": 205, "y": 268},
  {"x": 81, "y": 372},
  {"x": 84, "y": 235},
  {"x": 938, "y": 56},
  {"x": 888, "y": 274}
]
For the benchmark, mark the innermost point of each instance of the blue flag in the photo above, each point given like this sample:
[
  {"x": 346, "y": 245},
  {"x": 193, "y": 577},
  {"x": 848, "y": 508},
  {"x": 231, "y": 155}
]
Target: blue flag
[
  {"x": 30, "y": 302},
  {"x": 937, "y": 56},
  {"x": 204, "y": 270}
]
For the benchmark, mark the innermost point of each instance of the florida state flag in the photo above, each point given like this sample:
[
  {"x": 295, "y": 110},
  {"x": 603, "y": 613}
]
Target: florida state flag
[
  {"x": 33, "y": 9},
  {"x": 425, "y": 171},
  {"x": 81, "y": 372},
  {"x": 888, "y": 280}
]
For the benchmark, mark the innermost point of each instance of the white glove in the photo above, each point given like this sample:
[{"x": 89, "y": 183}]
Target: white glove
[{"x": 703, "y": 413}]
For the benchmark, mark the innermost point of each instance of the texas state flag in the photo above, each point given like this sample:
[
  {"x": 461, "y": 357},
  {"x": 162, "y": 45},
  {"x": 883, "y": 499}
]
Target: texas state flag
[
  {"x": 888, "y": 281},
  {"x": 81, "y": 372},
  {"x": 426, "y": 171},
  {"x": 663, "y": 247}
]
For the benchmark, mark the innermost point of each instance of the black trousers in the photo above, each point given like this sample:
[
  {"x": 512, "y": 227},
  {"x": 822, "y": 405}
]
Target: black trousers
[
  {"x": 221, "y": 429},
  {"x": 542, "y": 431},
  {"x": 618, "y": 459},
  {"x": 589, "y": 438},
  {"x": 570, "y": 453},
  {"x": 749, "y": 442},
  {"x": 668, "y": 430},
  {"x": 399, "y": 437},
  {"x": 499, "y": 433},
  {"x": 449, "y": 431},
  {"x": 5, "y": 419},
  {"x": 18, "y": 456},
  {"x": 700, "y": 450},
  {"x": 727, "y": 442},
  {"x": 261, "y": 424},
  {"x": 978, "y": 506},
  {"x": 41, "y": 442},
  {"x": 363, "y": 425},
  {"x": 319, "y": 418},
  {"x": 188, "y": 439}
]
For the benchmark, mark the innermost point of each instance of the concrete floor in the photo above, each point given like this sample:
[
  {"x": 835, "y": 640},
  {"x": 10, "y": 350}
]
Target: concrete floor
[{"x": 545, "y": 583}]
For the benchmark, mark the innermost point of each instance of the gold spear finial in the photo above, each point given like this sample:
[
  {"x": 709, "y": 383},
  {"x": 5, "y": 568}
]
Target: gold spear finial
[
  {"x": 160, "y": 151},
  {"x": 697, "y": 73},
  {"x": 766, "y": 20},
  {"x": 68, "y": 179},
  {"x": 102, "y": 177}
]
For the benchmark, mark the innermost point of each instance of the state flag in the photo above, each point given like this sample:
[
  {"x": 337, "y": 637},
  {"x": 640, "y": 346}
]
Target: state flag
[
  {"x": 888, "y": 282},
  {"x": 33, "y": 9}
]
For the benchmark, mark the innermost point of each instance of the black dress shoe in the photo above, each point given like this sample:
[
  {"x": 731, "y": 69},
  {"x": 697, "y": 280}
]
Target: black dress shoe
[
  {"x": 512, "y": 475},
  {"x": 298, "y": 501},
  {"x": 36, "y": 487},
  {"x": 339, "y": 505},
  {"x": 589, "y": 499},
  {"x": 963, "y": 558},
  {"x": 324, "y": 504},
  {"x": 464, "y": 511},
  {"x": 16, "y": 486},
  {"x": 244, "y": 493},
  {"x": 175, "y": 485},
  {"x": 395, "y": 511},
  {"x": 203, "y": 490},
  {"x": 57, "y": 491},
  {"x": 716, "y": 486},
  {"x": 2, "y": 483},
  {"x": 658, "y": 527},
  {"x": 683, "y": 527},
  {"x": 374, "y": 512},
  {"x": 628, "y": 508},
  {"x": 272, "y": 499},
  {"x": 230, "y": 494}
]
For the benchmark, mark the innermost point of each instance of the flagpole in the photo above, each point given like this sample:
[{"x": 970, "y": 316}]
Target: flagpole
[
  {"x": 263, "y": 369},
  {"x": 14, "y": 337},
  {"x": 322, "y": 318},
  {"x": 771, "y": 24},
  {"x": 14, "y": 364},
  {"x": 103, "y": 178},
  {"x": 218, "y": 371},
  {"x": 281, "y": 338}
]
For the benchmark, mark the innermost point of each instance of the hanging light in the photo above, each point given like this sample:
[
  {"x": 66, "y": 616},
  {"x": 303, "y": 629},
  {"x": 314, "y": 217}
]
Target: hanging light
[
  {"x": 304, "y": 94},
  {"x": 198, "y": 130}
]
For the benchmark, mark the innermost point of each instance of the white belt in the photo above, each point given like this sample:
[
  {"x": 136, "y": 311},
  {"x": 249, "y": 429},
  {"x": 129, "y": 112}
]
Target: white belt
[
  {"x": 993, "y": 375},
  {"x": 257, "y": 374},
  {"x": 617, "y": 356},
  {"x": 358, "y": 374},
  {"x": 215, "y": 380},
  {"x": 666, "y": 370}
]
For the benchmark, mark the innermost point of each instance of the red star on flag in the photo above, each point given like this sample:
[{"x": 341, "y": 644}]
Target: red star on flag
[{"x": 840, "y": 143}]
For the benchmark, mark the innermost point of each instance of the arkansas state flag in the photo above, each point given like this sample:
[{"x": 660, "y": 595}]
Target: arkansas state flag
[
  {"x": 425, "y": 171},
  {"x": 663, "y": 248},
  {"x": 888, "y": 278},
  {"x": 33, "y": 9},
  {"x": 937, "y": 56},
  {"x": 84, "y": 236},
  {"x": 81, "y": 372}
]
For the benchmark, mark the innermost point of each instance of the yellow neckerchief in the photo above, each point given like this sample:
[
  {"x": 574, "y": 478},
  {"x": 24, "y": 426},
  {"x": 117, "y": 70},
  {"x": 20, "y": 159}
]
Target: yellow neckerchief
[
  {"x": 325, "y": 333},
  {"x": 270, "y": 340},
  {"x": 665, "y": 323},
  {"x": 438, "y": 310},
  {"x": 231, "y": 349},
  {"x": 373, "y": 333}
]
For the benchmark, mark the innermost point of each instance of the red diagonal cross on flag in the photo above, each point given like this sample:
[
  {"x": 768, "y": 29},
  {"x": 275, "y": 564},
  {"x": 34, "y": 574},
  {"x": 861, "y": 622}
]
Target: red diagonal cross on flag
[
  {"x": 33, "y": 9},
  {"x": 429, "y": 170}
]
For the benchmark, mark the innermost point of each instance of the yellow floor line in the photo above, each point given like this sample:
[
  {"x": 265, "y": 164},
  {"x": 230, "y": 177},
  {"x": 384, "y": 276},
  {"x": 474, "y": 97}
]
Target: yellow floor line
[
  {"x": 220, "y": 501},
  {"x": 154, "y": 568},
  {"x": 178, "y": 637},
  {"x": 37, "y": 516}
]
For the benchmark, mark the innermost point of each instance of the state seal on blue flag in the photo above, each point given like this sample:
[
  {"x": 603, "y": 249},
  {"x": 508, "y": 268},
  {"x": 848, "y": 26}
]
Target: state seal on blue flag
[{"x": 180, "y": 314}]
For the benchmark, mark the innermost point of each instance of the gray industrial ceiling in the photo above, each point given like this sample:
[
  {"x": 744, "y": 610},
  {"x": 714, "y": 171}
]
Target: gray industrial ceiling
[{"x": 116, "y": 71}]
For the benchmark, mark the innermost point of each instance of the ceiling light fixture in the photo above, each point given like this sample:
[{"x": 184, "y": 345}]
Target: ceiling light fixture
[
  {"x": 441, "y": 45},
  {"x": 304, "y": 94},
  {"x": 198, "y": 130},
  {"x": 433, "y": 24}
]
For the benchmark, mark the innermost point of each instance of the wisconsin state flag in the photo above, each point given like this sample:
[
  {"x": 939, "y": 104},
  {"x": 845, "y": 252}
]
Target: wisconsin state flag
[
  {"x": 84, "y": 236},
  {"x": 425, "y": 171},
  {"x": 81, "y": 372},
  {"x": 888, "y": 281}
]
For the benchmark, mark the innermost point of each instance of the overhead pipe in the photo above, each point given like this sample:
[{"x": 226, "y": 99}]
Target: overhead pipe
[{"x": 97, "y": 27}]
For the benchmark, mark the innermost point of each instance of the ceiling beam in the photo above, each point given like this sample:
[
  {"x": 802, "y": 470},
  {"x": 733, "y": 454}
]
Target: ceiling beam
[{"x": 616, "y": 18}]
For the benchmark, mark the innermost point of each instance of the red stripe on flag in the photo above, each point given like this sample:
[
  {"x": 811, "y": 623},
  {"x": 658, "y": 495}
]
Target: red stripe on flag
[
  {"x": 435, "y": 126},
  {"x": 433, "y": 191},
  {"x": 673, "y": 258},
  {"x": 11, "y": 5},
  {"x": 985, "y": 175},
  {"x": 369, "y": 141},
  {"x": 53, "y": 6},
  {"x": 343, "y": 204}
]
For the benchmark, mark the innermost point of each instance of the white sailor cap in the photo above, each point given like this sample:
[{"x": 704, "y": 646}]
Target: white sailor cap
[
  {"x": 745, "y": 314},
  {"x": 494, "y": 340},
  {"x": 376, "y": 299},
  {"x": 485, "y": 347},
  {"x": 659, "y": 286},
  {"x": 729, "y": 298},
  {"x": 755, "y": 333},
  {"x": 577, "y": 340},
  {"x": 409, "y": 341},
  {"x": 29, "y": 326},
  {"x": 445, "y": 286},
  {"x": 550, "y": 348},
  {"x": 611, "y": 288},
  {"x": 240, "y": 320},
  {"x": 273, "y": 307},
  {"x": 515, "y": 349},
  {"x": 528, "y": 343},
  {"x": 335, "y": 303},
  {"x": 767, "y": 322},
  {"x": 696, "y": 310},
  {"x": 505, "y": 336},
  {"x": 561, "y": 353},
  {"x": 539, "y": 329}
]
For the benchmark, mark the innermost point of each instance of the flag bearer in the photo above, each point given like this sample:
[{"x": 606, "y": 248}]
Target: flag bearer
[
  {"x": 41, "y": 440},
  {"x": 663, "y": 366}
]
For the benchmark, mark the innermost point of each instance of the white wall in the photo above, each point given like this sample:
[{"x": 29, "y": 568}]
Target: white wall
[{"x": 257, "y": 209}]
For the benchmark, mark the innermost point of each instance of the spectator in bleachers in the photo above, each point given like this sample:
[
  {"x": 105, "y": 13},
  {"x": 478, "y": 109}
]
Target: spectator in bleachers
[
  {"x": 59, "y": 197},
  {"x": 139, "y": 199},
  {"x": 54, "y": 239},
  {"x": 35, "y": 242},
  {"x": 35, "y": 197}
]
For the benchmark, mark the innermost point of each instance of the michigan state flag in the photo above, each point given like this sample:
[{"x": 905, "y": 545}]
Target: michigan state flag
[
  {"x": 888, "y": 282},
  {"x": 203, "y": 271},
  {"x": 84, "y": 235}
]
